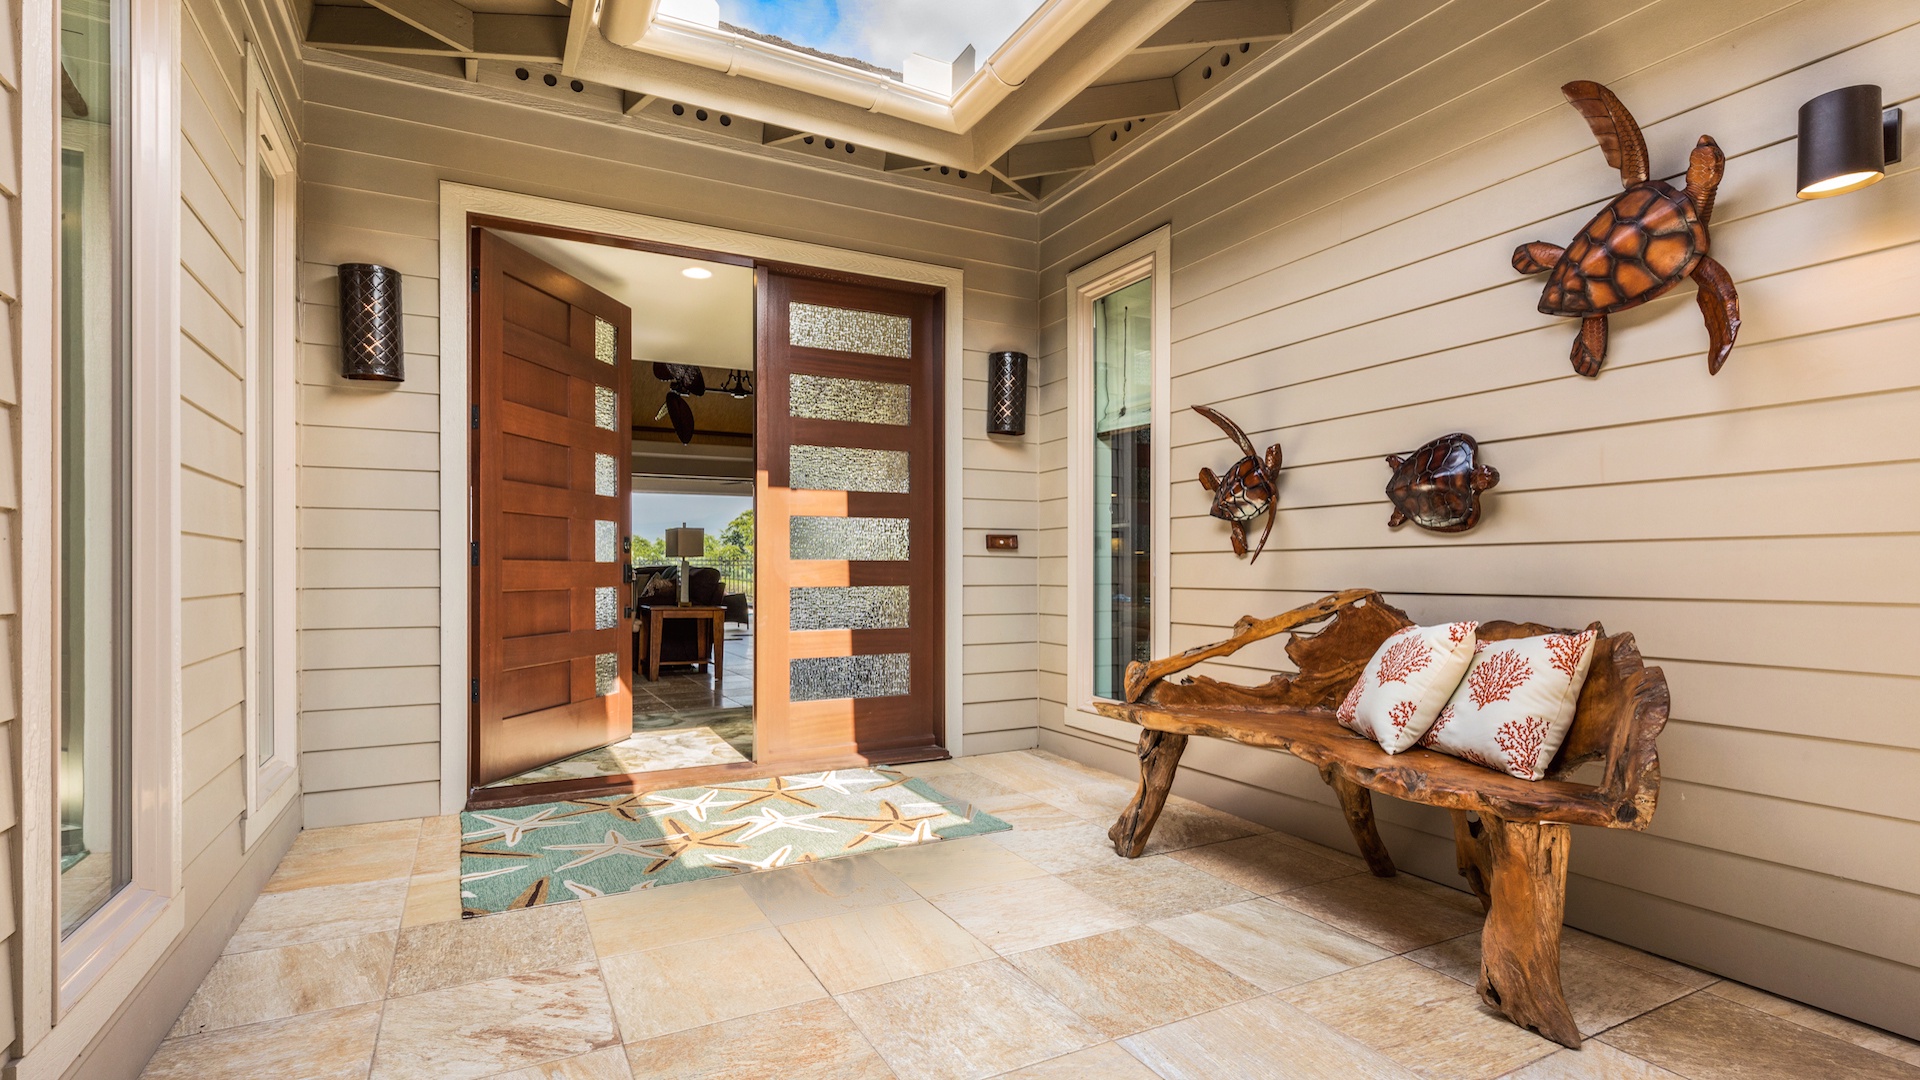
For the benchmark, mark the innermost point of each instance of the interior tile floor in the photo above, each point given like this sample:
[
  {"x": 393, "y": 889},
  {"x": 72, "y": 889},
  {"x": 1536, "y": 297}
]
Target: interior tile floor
[
  {"x": 1229, "y": 951},
  {"x": 686, "y": 719}
]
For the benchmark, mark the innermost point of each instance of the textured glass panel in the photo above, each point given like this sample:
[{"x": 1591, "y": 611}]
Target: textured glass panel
[
  {"x": 848, "y": 607},
  {"x": 851, "y": 539},
  {"x": 606, "y": 539},
  {"x": 606, "y": 608},
  {"x": 828, "y": 678},
  {"x": 856, "y": 401},
  {"x": 845, "y": 330},
  {"x": 606, "y": 408},
  {"x": 606, "y": 475},
  {"x": 606, "y": 341},
  {"x": 606, "y": 673},
  {"x": 847, "y": 468}
]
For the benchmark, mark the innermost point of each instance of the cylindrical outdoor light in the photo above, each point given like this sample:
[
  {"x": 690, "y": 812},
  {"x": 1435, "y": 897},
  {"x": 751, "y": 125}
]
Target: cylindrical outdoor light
[
  {"x": 1846, "y": 141},
  {"x": 1007, "y": 393},
  {"x": 370, "y": 346}
]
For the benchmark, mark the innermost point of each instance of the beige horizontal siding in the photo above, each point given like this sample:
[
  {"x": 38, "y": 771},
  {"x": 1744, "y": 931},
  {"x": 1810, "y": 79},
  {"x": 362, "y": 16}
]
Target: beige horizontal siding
[{"x": 1342, "y": 224}]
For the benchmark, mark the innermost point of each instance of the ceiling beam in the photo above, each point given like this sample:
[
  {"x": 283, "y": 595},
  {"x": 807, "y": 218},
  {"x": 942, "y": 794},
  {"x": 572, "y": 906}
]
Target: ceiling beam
[
  {"x": 631, "y": 103},
  {"x": 1028, "y": 160},
  {"x": 1116, "y": 101},
  {"x": 445, "y": 20},
  {"x": 1222, "y": 22},
  {"x": 531, "y": 38}
]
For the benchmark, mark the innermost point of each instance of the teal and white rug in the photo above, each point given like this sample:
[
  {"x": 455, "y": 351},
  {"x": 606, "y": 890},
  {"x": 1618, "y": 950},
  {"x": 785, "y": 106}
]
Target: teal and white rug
[{"x": 557, "y": 852}]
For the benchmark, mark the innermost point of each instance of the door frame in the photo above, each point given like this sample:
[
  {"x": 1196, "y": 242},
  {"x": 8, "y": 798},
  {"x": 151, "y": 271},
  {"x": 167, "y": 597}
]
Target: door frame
[{"x": 459, "y": 203}]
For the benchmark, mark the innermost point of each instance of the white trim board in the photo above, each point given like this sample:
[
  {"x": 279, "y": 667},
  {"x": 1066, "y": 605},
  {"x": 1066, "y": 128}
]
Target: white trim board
[
  {"x": 1150, "y": 257},
  {"x": 457, "y": 202}
]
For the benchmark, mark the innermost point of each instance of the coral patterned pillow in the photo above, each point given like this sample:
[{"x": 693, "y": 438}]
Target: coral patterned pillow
[
  {"x": 1512, "y": 711},
  {"x": 1406, "y": 683}
]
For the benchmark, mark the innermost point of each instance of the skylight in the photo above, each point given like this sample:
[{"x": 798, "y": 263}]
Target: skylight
[{"x": 882, "y": 33}]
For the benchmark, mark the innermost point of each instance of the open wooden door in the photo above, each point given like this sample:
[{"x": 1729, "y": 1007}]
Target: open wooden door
[
  {"x": 552, "y": 648},
  {"x": 849, "y": 606}
]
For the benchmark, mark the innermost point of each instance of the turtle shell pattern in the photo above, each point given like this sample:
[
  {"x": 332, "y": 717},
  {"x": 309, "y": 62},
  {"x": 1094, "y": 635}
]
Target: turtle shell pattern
[
  {"x": 1434, "y": 485},
  {"x": 1637, "y": 247},
  {"x": 1244, "y": 492}
]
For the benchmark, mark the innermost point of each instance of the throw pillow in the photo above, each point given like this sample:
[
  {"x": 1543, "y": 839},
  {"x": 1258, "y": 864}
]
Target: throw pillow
[
  {"x": 1512, "y": 711},
  {"x": 1404, "y": 686}
]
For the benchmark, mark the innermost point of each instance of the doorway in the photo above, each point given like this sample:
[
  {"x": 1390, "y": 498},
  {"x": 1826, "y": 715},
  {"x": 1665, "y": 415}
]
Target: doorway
[{"x": 856, "y": 672}]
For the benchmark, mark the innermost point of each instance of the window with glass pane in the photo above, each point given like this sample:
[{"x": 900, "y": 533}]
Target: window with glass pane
[
  {"x": 265, "y": 297},
  {"x": 92, "y": 551},
  {"x": 1122, "y": 479}
]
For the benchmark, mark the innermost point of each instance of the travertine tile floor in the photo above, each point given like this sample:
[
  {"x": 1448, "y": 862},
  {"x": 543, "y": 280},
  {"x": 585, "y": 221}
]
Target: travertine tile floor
[{"x": 1228, "y": 952}]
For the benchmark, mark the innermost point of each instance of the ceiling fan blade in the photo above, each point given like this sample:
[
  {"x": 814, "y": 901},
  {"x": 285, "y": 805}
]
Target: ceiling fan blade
[{"x": 682, "y": 414}]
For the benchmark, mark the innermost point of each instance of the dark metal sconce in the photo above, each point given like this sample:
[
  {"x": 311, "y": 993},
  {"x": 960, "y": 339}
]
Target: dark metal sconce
[
  {"x": 1846, "y": 141},
  {"x": 1007, "y": 393},
  {"x": 370, "y": 346}
]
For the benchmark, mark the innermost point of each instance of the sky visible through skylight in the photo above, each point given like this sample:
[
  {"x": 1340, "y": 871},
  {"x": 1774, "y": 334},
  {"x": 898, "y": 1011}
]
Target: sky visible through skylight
[{"x": 884, "y": 32}]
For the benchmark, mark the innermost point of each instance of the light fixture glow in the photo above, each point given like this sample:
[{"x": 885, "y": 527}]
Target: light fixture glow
[
  {"x": 1846, "y": 141},
  {"x": 697, "y": 273},
  {"x": 1840, "y": 185}
]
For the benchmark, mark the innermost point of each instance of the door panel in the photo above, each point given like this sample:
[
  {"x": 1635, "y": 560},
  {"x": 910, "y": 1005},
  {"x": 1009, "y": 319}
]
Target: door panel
[
  {"x": 850, "y": 538},
  {"x": 550, "y": 497}
]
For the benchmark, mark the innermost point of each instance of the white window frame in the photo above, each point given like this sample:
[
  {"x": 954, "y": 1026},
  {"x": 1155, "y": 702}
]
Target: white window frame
[
  {"x": 70, "y": 987},
  {"x": 1149, "y": 257},
  {"x": 269, "y": 435}
]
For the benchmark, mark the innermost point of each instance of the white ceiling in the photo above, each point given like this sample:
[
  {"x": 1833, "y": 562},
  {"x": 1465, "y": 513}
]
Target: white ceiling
[{"x": 676, "y": 319}]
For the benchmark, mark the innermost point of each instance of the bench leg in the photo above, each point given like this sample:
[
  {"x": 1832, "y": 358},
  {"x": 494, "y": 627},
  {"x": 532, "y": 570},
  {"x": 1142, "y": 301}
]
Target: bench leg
[
  {"x": 1159, "y": 757},
  {"x": 1357, "y": 803},
  {"x": 1520, "y": 945},
  {"x": 1470, "y": 855}
]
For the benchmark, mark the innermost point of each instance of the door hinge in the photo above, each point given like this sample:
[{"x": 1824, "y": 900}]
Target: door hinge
[
  {"x": 473, "y": 553},
  {"x": 473, "y": 691},
  {"x": 476, "y": 279},
  {"x": 474, "y": 418}
]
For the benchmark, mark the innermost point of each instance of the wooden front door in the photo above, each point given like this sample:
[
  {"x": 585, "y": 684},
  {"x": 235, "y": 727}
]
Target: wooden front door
[
  {"x": 848, "y": 605},
  {"x": 552, "y": 647}
]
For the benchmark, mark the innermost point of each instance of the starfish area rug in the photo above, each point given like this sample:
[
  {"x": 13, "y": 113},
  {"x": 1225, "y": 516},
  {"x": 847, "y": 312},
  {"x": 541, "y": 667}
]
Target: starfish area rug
[{"x": 558, "y": 852}]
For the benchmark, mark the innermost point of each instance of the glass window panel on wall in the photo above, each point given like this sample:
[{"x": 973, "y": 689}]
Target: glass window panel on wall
[
  {"x": 266, "y": 207},
  {"x": 92, "y": 548},
  {"x": 1122, "y": 478}
]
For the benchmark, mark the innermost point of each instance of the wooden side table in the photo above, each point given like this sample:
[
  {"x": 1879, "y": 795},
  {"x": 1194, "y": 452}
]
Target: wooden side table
[{"x": 710, "y": 623}]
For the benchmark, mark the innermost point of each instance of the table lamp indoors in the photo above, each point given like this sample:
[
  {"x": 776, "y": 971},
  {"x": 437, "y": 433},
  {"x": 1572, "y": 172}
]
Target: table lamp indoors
[{"x": 686, "y": 543}]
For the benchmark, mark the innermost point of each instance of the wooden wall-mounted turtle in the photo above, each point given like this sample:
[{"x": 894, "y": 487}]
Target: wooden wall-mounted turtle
[
  {"x": 1640, "y": 245},
  {"x": 1247, "y": 490},
  {"x": 1438, "y": 486}
]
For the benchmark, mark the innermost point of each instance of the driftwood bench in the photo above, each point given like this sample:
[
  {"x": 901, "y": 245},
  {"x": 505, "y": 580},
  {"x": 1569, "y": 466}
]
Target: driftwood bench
[{"x": 1511, "y": 835}]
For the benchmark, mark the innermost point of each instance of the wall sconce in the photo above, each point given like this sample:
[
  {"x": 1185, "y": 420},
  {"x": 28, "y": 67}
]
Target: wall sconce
[
  {"x": 370, "y": 346},
  {"x": 1007, "y": 393},
  {"x": 1846, "y": 141}
]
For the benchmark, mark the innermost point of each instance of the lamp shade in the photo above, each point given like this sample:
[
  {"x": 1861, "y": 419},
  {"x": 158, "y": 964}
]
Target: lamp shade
[
  {"x": 370, "y": 344},
  {"x": 686, "y": 543},
  {"x": 1007, "y": 393},
  {"x": 1846, "y": 141}
]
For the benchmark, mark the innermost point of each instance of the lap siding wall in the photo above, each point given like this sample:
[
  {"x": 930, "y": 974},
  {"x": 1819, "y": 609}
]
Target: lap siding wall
[{"x": 1342, "y": 225}]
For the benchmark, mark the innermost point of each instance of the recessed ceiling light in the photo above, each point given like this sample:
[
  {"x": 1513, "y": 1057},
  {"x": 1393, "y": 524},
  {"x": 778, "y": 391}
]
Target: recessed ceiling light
[{"x": 697, "y": 273}]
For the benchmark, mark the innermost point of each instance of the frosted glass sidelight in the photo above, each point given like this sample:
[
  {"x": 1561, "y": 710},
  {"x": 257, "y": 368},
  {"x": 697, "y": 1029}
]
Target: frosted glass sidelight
[
  {"x": 854, "y": 401},
  {"x": 606, "y": 673},
  {"x": 606, "y": 540},
  {"x": 606, "y": 341},
  {"x": 606, "y": 476},
  {"x": 847, "y": 607},
  {"x": 606, "y": 405},
  {"x": 811, "y": 326},
  {"x": 846, "y": 468},
  {"x": 849, "y": 539},
  {"x": 829, "y": 678},
  {"x": 606, "y": 607}
]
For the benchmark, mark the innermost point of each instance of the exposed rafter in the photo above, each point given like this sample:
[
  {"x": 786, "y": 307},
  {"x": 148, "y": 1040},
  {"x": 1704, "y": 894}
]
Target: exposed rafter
[
  {"x": 532, "y": 38},
  {"x": 1116, "y": 101},
  {"x": 445, "y": 20}
]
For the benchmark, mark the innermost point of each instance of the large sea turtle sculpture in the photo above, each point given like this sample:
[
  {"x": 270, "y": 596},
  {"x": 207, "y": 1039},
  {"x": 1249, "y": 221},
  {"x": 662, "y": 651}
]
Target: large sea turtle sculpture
[
  {"x": 1247, "y": 489},
  {"x": 1640, "y": 245},
  {"x": 1438, "y": 486}
]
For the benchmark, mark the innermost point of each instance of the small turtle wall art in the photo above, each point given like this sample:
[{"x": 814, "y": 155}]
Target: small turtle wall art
[
  {"x": 1639, "y": 245},
  {"x": 1247, "y": 489},
  {"x": 1438, "y": 486}
]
